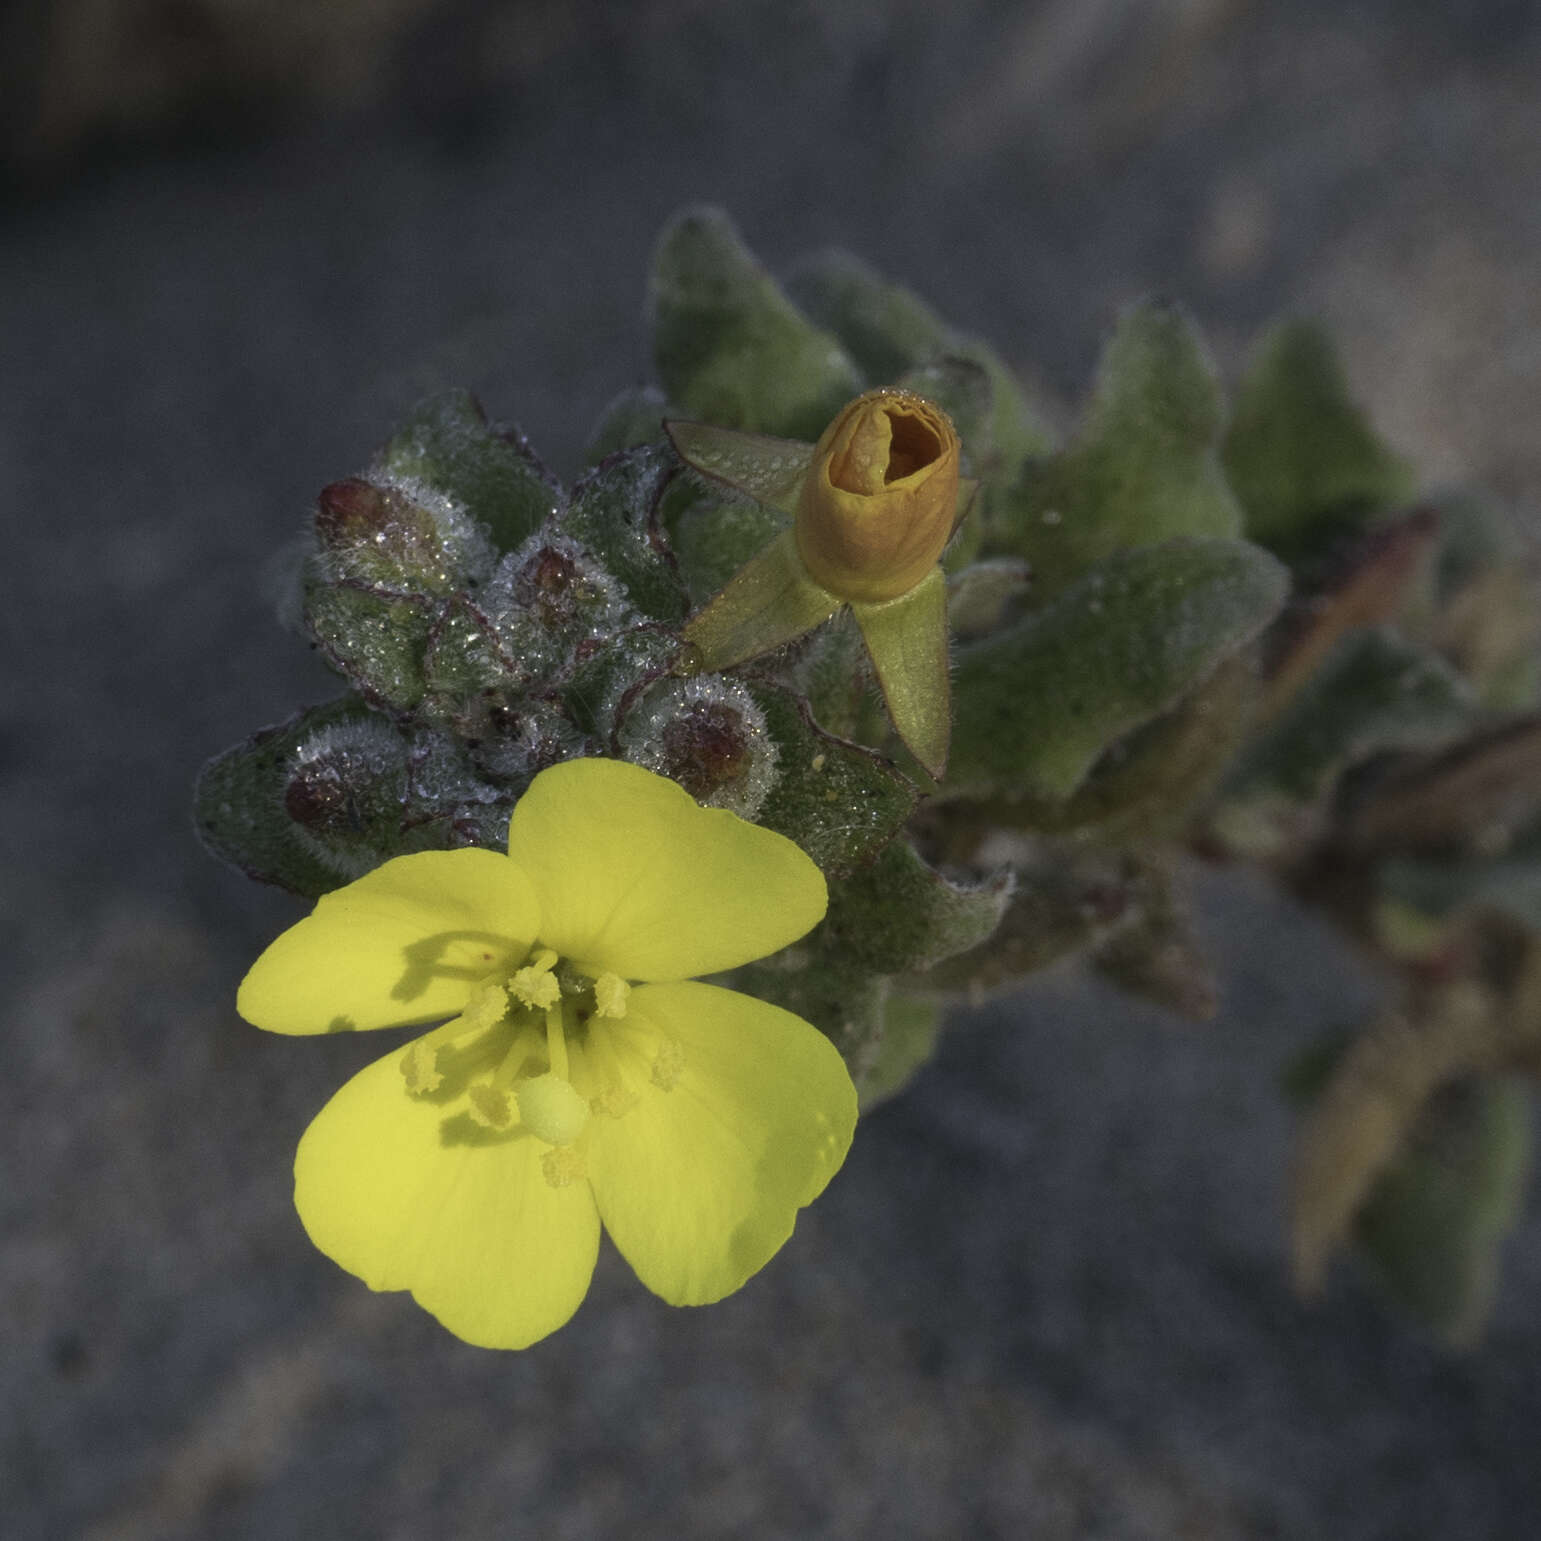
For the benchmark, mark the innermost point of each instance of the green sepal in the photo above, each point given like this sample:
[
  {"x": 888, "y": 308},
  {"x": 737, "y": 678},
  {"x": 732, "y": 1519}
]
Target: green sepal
[
  {"x": 728, "y": 344},
  {"x": 239, "y": 804},
  {"x": 767, "y": 469},
  {"x": 613, "y": 513},
  {"x": 1144, "y": 466},
  {"x": 447, "y": 445},
  {"x": 375, "y": 640},
  {"x": 1377, "y": 691},
  {"x": 634, "y": 416},
  {"x": 769, "y": 602},
  {"x": 898, "y": 915},
  {"x": 907, "y": 641},
  {"x": 1038, "y": 702},
  {"x": 841, "y": 803},
  {"x": 1300, "y": 454}
]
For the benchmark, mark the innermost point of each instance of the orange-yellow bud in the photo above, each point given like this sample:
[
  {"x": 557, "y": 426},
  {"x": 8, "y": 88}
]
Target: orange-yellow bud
[{"x": 880, "y": 498}]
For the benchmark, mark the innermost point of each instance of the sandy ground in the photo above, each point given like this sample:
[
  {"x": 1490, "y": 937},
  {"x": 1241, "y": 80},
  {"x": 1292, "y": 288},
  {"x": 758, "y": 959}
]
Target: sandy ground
[{"x": 1046, "y": 1298}]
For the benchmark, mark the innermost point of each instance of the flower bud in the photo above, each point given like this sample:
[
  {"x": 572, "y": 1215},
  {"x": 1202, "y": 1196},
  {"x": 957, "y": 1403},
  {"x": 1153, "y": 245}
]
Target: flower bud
[{"x": 881, "y": 497}]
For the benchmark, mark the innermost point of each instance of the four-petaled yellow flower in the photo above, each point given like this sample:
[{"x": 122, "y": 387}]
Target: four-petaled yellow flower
[{"x": 584, "y": 1074}]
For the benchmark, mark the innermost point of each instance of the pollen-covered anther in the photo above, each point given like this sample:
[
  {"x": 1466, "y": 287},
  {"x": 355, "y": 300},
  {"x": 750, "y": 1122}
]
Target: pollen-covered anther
[
  {"x": 615, "y": 1101},
  {"x": 420, "y": 1068},
  {"x": 610, "y": 993},
  {"x": 535, "y": 985},
  {"x": 489, "y": 1107},
  {"x": 563, "y": 1166},
  {"x": 488, "y": 1005},
  {"x": 668, "y": 1064},
  {"x": 551, "y": 1109}
]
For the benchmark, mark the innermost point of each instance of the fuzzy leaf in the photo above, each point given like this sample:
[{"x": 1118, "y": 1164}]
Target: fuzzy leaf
[
  {"x": 977, "y": 595},
  {"x": 613, "y": 513},
  {"x": 448, "y": 445},
  {"x": 1068, "y": 897},
  {"x": 911, "y": 1027},
  {"x": 1433, "y": 1228},
  {"x": 899, "y": 915},
  {"x": 889, "y": 332},
  {"x": 1144, "y": 465},
  {"x": 729, "y": 346},
  {"x": 376, "y": 641},
  {"x": 842, "y": 804},
  {"x": 634, "y": 416},
  {"x": 240, "y": 801},
  {"x": 1159, "y": 956},
  {"x": 1302, "y": 457},
  {"x": 1038, "y": 702},
  {"x": 1377, "y": 691}
]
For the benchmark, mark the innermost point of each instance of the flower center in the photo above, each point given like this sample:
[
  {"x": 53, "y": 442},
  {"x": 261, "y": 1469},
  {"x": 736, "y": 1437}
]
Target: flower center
[{"x": 504, "y": 1062}]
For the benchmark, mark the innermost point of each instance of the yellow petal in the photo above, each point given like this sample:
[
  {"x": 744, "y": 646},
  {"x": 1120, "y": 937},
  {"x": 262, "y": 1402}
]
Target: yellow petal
[
  {"x": 403, "y": 944},
  {"x": 635, "y": 878},
  {"x": 699, "y": 1185},
  {"x": 409, "y": 1194}
]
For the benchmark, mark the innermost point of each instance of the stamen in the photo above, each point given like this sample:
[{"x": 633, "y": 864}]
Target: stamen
[
  {"x": 535, "y": 985},
  {"x": 615, "y": 1101},
  {"x": 485, "y": 1009},
  {"x": 419, "y": 1068},
  {"x": 489, "y": 1106},
  {"x": 668, "y": 1064},
  {"x": 610, "y": 992},
  {"x": 563, "y": 1167},
  {"x": 556, "y": 1040}
]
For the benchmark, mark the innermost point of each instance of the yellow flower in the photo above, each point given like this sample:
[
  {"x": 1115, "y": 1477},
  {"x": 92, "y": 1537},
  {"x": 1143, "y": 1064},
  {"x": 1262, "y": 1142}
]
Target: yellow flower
[
  {"x": 584, "y": 1074},
  {"x": 881, "y": 497},
  {"x": 873, "y": 503}
]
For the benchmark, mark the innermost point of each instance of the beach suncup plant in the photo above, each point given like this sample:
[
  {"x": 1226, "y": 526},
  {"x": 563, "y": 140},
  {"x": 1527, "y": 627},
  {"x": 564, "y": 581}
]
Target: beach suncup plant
[{"x": 856, "y": 676}]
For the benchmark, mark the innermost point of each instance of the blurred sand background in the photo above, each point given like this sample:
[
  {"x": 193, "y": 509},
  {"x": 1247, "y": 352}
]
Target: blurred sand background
[{"x": 1047, "y": 1297}]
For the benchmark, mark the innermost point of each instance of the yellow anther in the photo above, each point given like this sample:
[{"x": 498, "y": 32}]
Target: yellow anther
[
  {"x": 535, "y": 985},
  {"x": 563, "y": 1167},
  {"x": 551, "y": 1109},
  {"x": 487, "y": 1007},
  {"x": 610, "y": 992},
  {"x": 490, "y": 1107},
  {"x": 615, "y": 1101},
  {"x": 668, "y": 1064},
  {"x": 420, "y": 1069}
]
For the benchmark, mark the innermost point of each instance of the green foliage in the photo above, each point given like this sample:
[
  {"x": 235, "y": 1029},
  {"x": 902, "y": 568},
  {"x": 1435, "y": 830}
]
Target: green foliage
[
  {"x": 448, "y": 445},
  {"x": 1039, "y": 702},
  {"x": 1121, "y": 699},
  {"x": 728, "y": 344},
  {"x": 898, "y": 915},
  {"x": 614, "y": 516},
  {"x": 1143, "y": 466},
  {"x": 1433, "y": 1227},
  {"x": 841, "y": 803},
  {"x": 1376, "y": 691},
  {"x": 1301, "y": 455}
]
